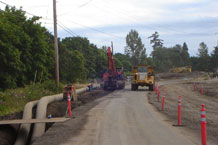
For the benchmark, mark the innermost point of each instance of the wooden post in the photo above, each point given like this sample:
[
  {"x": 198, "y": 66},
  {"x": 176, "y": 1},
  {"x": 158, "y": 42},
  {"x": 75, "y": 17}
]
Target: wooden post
[{"x": 56, "y": 43}]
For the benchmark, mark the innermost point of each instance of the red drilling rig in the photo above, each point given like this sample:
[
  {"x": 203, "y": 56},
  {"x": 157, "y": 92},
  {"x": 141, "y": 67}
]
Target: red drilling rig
[{"x": 113, "y": 78}]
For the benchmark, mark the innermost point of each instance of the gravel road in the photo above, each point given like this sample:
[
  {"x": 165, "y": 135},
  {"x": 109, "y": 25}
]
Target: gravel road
[{"x": 123, "y": 117}]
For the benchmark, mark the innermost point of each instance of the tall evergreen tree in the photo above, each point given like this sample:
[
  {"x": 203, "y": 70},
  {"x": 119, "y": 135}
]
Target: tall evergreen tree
[
  {"x": 214, "y": 60},
  {"x": 204, "y": 58},
  {"x": 185, "y": 55},
  {"x": 155, "y": 41}
]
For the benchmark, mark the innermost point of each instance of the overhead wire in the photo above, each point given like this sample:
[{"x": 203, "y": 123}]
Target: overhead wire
[
  {"x": 59, "y": 24},
  {"x": 47, "y": 12},
  {"x": 25, "y": 11},
  {"x": 66, "y": 28},
  {"x": 76, "y": 8},
  {"x": 121, "y": 11},
  {"x": 85, "y": 4},
  {"x": 94, "y": 29},
  {"x": 133, "y": 19}
]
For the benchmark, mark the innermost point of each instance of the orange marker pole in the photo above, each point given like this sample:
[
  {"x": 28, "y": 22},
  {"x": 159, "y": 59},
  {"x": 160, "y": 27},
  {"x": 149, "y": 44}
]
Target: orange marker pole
[
  {"x": 203, "y": 126},
  {"x": 69, "y": 103},
  {"x": 202, "y": 90},
  {"x": 163, "y": 101},
  {"x": 179, "y": 110},
  {"x": 194, "y": 86}
]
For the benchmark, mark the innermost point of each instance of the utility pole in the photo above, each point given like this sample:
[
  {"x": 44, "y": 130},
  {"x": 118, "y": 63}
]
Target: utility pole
[
  {"x": 112, "y": 47},
  {"x": 56, "y": 44},
  {"x": 217, "y": 40}
]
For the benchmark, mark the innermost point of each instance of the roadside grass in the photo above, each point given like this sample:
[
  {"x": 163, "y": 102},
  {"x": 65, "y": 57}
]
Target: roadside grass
[{"x": 14, "y": 100}]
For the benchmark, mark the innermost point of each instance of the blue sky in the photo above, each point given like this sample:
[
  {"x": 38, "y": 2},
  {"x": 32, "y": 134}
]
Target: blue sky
[{"x": 103, "y": 21}]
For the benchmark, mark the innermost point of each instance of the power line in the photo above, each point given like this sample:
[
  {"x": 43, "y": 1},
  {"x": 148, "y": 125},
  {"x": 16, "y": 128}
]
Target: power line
[
  {"x": 94, "y": 29},
  {"x": 18, "y": 16},
  {"x": 66, "y": 29},
  {"x": 25, "y": 11},
  {"x": 121, "y": 11},
  {"x": 61, "y": 24},
  {"x": 85, "y": 4}
]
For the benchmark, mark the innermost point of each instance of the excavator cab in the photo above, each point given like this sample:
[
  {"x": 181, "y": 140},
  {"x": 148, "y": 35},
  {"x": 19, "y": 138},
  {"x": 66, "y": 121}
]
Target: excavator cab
[{"x": 113, "y": 78}]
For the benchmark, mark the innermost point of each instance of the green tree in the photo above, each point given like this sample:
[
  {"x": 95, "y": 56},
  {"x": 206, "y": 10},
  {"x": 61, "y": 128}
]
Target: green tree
[
  {"x": 185, "y": 55},
  {"x": 125, "y": 61},
  {"x": 134, "y": 48},
  {"x": 72, "y": 66},
  {"x": 155, "y": 41},
  {"x": 88, "y": 50},
  {"x": 214, "y": 60},
  {"x": 101, "y": 62},
  {"x": 164, "y": 58},
  {"x": 204, "y": 58},
  {"x": 24, "y": 49}
]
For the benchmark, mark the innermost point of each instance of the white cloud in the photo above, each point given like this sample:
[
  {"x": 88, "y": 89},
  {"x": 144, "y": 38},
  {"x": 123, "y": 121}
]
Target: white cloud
[{"x": 144, "y": 15}]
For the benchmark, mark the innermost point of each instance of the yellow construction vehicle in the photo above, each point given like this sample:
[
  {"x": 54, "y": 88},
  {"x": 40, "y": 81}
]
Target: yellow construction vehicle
[
  {"x": 181, "y": 69},
  {"x": 143, "y": 75}
]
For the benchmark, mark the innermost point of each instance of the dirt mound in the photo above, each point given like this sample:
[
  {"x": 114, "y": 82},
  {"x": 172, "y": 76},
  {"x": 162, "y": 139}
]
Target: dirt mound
[{"x": 164, "y": 76}]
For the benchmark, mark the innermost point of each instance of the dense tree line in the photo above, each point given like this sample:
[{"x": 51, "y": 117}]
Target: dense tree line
[
  {"x": 26, "y": 49},
  {"x": 178, "y": 56},
  {"x": 27, "y": 53},
  {"x": 164, "y": 58}
]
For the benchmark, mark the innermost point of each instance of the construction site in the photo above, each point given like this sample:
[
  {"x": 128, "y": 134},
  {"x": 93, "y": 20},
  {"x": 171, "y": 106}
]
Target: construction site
[
  {"x": 133, "y": 117},
  {"x": 118, "y": 72}
]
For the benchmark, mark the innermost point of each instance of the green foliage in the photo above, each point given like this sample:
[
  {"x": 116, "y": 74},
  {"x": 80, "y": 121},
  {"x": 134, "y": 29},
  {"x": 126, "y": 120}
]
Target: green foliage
[
  {"x": 50, "y": 85},
  {"x": 94, "y": 59},
  {"x": 167, "y": 58},
  {"x": 101, "y": 63},
  {"x": 72, "y": 66},
  {"x": 13, "y": 100},
  {"x": 24, "y": 49},
  {"x": 88, "y": 50},
  {"x": 214, "y": 60},
  {"x": 204, "y": 58},
  {"x": 155, "y": 41},
  {"x": 185, "y": 55},
  {"x": 122, "y": 60},
  {"x": 134, "y": 48}
]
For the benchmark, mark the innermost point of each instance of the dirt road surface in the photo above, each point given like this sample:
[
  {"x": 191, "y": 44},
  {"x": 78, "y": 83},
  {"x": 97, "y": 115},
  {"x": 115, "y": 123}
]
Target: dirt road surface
[
  {"x": 191, "y": 105},
  {"x": 123, "y": 117}
]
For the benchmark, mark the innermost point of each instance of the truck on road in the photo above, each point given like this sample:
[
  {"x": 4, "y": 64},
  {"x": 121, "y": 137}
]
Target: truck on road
[{"x": 143, "y": 75}]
